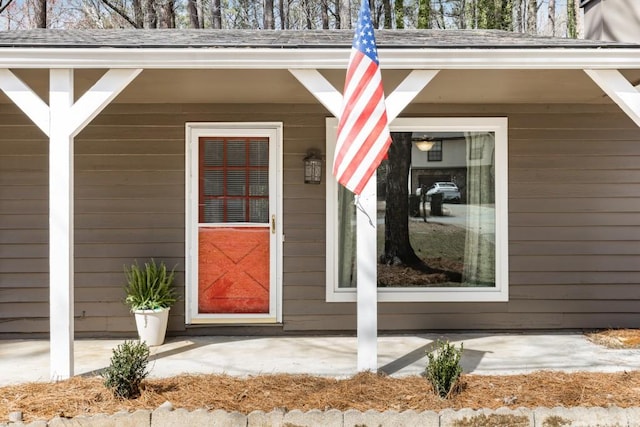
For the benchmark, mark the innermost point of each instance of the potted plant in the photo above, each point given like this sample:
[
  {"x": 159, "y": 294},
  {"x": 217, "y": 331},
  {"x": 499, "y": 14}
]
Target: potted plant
[{"x": 150, "y": 294}]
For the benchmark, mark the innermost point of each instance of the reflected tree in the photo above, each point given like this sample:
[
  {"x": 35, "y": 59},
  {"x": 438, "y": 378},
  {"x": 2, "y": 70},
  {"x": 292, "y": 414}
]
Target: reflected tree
[{"x": 397, "y": 246}]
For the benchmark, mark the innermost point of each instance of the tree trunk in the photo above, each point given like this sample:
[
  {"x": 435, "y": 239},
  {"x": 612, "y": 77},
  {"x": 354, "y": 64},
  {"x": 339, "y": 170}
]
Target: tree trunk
[
  {"x": 324, "y": 12},
  {"x": 150, "y": 15},
  {"x": 397, "y": 248},
  {"x": 307, "y": 14},
  {"x": 487, "y": 14},
  {"x": 440, "y": 17},
  {"x": 345, "y": 14},
  {"x": 552, "y": 17},
  {"x": 216, "y": 15},
  {"x": 40, "y": 9},
  {"x": 376, "y": 13},
  {"x": 399, "y": 9},
  {"x": 462, "y": 17},
  {"x": 200, "y": 9},
  {"x": 268, "y": 15},
  {"x": 386, "y": 6},
  {"x": 286, "y": 14},
  {"x": 168, "y": 15},
  {"x": 194, "y": 22},
  {"x": 506, "y": 15},
  {"x": 579, "y": 19},
  {"x": 138, "y": 14},
  {"x": 532, "y": 17},
  {"x": 424, "y": 13},
  {"x": 517, "y": 16},
  {"x": 283, "y": 14}
]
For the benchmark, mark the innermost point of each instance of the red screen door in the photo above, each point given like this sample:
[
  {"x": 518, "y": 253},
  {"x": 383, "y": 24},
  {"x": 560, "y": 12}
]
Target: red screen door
[{"x": 234, "y": 225}]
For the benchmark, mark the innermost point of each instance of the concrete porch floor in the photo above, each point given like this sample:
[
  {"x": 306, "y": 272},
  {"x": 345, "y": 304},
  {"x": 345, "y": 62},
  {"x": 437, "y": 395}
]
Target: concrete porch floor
[{"x": 484, "y": 354}]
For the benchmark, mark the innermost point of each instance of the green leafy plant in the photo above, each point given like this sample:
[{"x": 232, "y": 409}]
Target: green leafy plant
[
  {"x": 127, "y": 369},
  {"x": 444, "y": 369},
  {"x": 149, "y": 287}
]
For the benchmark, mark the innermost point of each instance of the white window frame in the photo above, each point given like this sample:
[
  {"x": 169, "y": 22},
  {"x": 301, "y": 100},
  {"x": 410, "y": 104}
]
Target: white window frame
[
  {"x": 499, "y": 293},
  {"x": 272, "y": 130}
]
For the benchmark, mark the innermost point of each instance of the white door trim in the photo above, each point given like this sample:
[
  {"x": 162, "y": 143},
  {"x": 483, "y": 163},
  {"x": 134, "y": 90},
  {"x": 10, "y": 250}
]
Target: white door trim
[{"x": 272, "y": 130}]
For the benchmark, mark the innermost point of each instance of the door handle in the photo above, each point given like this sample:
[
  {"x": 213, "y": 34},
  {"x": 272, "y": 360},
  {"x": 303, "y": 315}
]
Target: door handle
[{"x": 273, "y": 224}]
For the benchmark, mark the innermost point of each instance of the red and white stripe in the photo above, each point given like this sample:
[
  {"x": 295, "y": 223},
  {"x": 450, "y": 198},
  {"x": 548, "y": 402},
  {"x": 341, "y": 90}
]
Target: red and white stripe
[{"x": 363, "y": 131}]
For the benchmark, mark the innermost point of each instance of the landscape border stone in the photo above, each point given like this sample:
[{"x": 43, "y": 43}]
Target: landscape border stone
[{"x": 520, "y": 417}]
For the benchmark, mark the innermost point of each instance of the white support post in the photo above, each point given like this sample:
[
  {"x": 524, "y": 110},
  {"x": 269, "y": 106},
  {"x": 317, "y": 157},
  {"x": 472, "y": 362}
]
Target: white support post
[
  {"x": 366, "y": 217},
  {"x": 99, "y": 96},
  {"x": 26, "y": 99},
  {"x": 61, "y": 224},
  {"x": 61, "y": 121},
  {"x": 407, "y": 91},
  {"x": 320, "y": 87},
  {"x": 614, "y": 84},
  {"x": 367, "y": 286}
]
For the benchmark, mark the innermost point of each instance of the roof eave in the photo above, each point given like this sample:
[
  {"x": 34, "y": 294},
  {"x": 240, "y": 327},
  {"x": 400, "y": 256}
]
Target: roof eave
[{"x": 243, "y": 58}]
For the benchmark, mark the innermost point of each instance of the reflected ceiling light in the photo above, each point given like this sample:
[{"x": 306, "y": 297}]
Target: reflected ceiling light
[{"x": 425, "y": 145}]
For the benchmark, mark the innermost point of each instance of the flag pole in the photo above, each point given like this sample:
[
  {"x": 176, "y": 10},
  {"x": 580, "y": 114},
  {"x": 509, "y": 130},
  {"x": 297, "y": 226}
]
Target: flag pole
[
  {"x": 363, "y": 139},
  {"x": 367, "y": 288}
]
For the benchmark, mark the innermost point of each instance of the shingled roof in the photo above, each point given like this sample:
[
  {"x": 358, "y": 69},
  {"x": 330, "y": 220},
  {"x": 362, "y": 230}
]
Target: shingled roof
[{"x": 289, "y": 39}]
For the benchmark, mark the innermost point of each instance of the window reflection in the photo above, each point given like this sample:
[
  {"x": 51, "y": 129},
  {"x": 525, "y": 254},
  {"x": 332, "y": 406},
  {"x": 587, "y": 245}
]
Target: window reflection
[{"x": 436, "y": 219}]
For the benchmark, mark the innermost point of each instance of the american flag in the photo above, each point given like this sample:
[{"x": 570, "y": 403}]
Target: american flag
[{"x": 363, "y": 132}]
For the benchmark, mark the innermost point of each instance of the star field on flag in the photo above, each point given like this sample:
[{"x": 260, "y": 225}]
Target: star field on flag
[{"x": 363, "y": 132}]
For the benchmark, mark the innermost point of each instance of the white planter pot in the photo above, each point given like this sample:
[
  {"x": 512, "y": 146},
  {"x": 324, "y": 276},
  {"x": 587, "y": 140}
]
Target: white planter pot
[{"x": 152, "y": 325}]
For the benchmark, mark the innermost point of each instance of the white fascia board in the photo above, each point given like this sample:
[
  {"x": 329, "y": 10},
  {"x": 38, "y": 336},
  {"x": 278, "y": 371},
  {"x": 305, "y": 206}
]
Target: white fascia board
[{"x": 322, "y": 58}]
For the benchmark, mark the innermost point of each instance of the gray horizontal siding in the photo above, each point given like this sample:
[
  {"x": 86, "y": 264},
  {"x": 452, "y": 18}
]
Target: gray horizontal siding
[
  {"x": 574, "y": 223},
  {"x": 129, "y": 204}
]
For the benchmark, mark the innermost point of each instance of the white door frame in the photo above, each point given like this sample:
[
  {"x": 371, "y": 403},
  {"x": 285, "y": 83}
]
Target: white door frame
[{"x": 272, "y": 130}]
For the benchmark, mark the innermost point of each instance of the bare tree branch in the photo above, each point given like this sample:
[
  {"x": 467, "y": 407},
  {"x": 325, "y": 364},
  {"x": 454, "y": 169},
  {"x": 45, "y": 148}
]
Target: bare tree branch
[
  {"x": 121, "y": 12},
  {"x": 3, "y": 7}
]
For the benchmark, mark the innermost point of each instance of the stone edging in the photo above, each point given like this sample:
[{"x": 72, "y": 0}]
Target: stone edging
[{"x": 165, "y": 416}]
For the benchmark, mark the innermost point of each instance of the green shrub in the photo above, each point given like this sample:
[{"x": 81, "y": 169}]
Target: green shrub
[
  {"x": 149, "y": 287},
  {"x": 127, "y": 369},
  {"x": 444, "y": 369}
]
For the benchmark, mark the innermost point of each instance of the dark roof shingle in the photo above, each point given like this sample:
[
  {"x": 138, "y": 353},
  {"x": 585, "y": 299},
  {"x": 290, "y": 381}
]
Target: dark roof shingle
[{"x": 289, "y": 39}]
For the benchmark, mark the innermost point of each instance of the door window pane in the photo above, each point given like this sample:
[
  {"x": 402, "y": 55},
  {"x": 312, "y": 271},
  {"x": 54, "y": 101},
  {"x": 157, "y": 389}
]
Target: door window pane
[{"x": 234, "y": 180}]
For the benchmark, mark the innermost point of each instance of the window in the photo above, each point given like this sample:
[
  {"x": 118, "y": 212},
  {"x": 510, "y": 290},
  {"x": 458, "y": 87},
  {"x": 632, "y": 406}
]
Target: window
[
  {"x": 435, "y": 153},
  {"x": 234, "y": 177},
  {"x": 441, "y": 228}
]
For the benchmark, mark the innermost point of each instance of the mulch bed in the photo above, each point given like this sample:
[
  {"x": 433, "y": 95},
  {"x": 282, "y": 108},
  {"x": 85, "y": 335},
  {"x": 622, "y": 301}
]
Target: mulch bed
[
  {"x": 616, "y": 338},
  {"x": 87, "y": 396}
]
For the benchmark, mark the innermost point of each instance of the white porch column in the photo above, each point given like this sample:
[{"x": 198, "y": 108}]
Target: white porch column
[
  {"x": 66, "y": 121},
  {"x": 61, "y": 224},
  {"x": 366, "y": 217},
  {"x": 367, "y": 285},
  {"x": 61, "y": 121}
]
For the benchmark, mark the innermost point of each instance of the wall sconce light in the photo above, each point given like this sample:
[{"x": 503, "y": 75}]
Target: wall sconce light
[
  {"x": 312, "y": 167},
  {"x": 425, "y": 145}
]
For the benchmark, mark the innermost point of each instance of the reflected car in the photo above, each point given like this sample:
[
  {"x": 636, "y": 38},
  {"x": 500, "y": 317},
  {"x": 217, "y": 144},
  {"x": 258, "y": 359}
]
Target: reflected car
[{"x": 449, "y": 190}]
